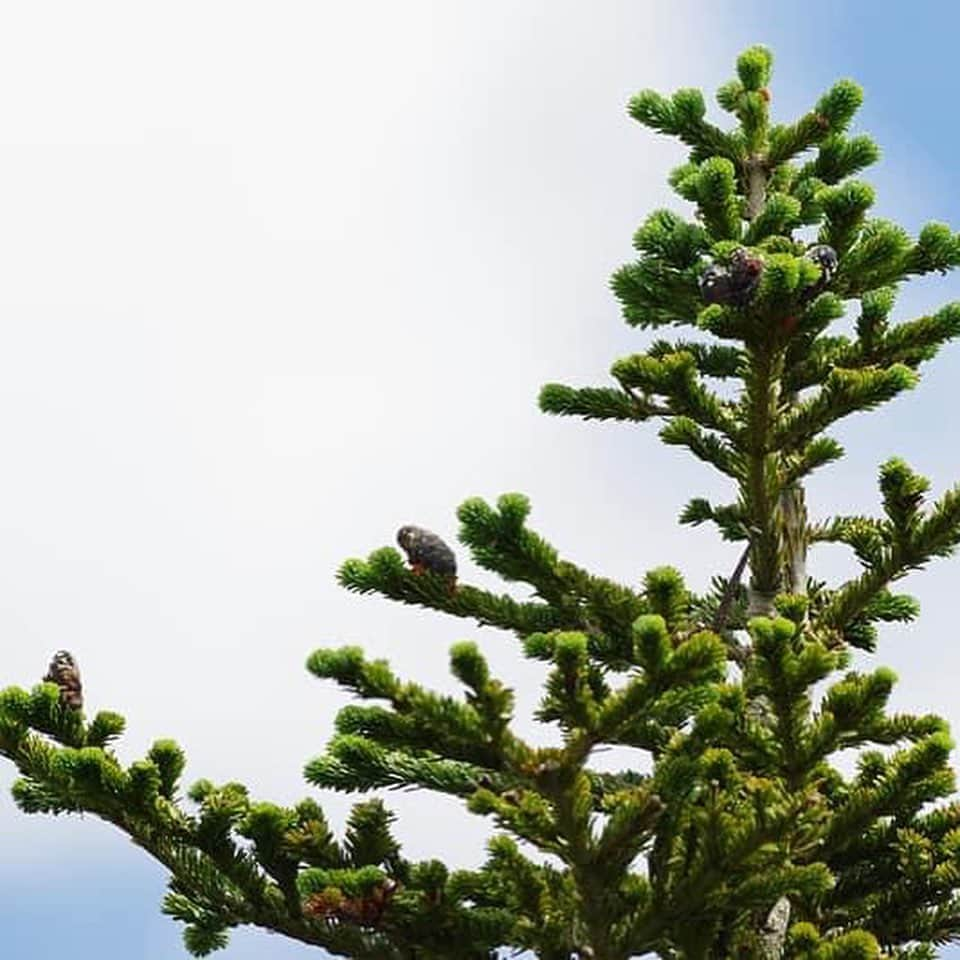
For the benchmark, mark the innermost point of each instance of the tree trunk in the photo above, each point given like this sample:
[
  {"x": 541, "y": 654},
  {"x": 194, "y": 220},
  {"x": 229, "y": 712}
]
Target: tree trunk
[
  {"x": 773, "y": 934},
  {"x": 793, "y": 535}
]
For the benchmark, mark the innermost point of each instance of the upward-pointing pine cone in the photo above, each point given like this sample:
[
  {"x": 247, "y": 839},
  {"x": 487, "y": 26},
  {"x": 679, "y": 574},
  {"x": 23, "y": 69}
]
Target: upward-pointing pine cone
[
  {"x": 427, "y": 552},
  {"x": 65, "y": 673},
  {"x": 733, "y": 285},
  {"x": 825, "y": 257}
]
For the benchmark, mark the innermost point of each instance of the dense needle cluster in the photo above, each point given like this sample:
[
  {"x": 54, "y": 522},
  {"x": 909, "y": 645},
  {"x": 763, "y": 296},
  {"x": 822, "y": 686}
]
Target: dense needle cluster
[{"x": 734, "y": 834}]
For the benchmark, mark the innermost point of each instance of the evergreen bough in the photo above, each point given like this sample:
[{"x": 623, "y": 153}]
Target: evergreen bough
[{"x": 738, "y": 837}]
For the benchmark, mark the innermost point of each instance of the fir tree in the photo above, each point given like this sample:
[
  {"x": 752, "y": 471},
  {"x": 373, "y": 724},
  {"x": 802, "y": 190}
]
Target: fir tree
[{"x": 741, "y": 838}]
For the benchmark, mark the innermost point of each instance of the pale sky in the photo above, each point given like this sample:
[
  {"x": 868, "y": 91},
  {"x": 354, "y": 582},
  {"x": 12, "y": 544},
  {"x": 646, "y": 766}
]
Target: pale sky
[{"x": 280, "y": 277}]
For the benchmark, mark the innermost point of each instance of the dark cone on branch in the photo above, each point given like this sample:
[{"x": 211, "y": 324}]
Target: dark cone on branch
[
  {"x": 427, "y": 552},
  {"x": 64, "y": 672},
  {"x": 825, "y": 257},
  {"x": 733, "y": 285}
]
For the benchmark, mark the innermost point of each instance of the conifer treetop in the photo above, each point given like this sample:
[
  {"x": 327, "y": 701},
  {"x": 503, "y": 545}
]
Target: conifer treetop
[{"x": 734, "y": 834}]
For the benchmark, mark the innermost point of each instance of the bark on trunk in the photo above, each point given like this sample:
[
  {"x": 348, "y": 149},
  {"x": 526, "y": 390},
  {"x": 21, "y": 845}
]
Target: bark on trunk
[
  {"x": 773, "y": 935},
  {"x": 793, "y": 521}
]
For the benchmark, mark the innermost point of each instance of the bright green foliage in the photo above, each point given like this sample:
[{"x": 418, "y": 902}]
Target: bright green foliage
[
  {"x": 733, "y": 704},
  {"x": 237, "y": 861}
]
